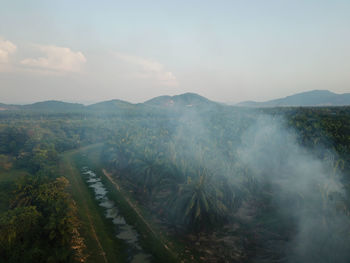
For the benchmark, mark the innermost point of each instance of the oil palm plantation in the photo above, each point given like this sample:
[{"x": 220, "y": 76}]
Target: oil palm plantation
[{"x": 199, "y": 204}]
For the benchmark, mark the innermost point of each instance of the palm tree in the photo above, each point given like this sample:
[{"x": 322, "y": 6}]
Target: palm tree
[
  {"x": 148, "y": 170},
  {"x": 199, "y": 204}
]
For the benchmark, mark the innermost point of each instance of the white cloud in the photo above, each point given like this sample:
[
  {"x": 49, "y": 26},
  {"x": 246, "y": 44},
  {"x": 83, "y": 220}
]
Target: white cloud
[
  {"x": 6, "y": 49},
  {"x": 56, "y": 59},
  {"x": 148, "y": 69}
]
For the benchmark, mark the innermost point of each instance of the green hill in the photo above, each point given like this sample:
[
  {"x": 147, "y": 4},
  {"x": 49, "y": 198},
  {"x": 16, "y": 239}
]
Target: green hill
[
  {"x": 183, "y": 100},
  {"x": 309, "y": 98},
  {"x": 53, "y": 105}
]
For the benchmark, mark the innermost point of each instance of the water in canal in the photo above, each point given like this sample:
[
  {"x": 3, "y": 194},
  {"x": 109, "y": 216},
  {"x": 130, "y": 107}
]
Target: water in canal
[{"x": 124, "y": 231}]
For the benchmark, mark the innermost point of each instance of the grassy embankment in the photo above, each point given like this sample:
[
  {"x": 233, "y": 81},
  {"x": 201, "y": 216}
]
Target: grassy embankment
[
  {"x": 150, "y": 239},
  {"x": 97, "y": 231}
]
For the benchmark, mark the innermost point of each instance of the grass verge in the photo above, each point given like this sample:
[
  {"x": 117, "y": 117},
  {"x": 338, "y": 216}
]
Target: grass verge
[
  {"x": 150, "y": 239},
  {"x": 102, "y": 246}
]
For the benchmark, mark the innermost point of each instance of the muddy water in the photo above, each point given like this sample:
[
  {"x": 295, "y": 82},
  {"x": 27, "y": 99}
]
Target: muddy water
[{"x": 123, "y": 231}]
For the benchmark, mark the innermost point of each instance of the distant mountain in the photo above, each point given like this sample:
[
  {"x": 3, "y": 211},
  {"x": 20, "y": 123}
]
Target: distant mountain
[
  {"x": 8, "y": 107},
  {"x": 183, "y": 100},
  {"x": 53, "y": 105},
  {"x": 110, "y": 105},
  {"x": 309, "y": 98}
]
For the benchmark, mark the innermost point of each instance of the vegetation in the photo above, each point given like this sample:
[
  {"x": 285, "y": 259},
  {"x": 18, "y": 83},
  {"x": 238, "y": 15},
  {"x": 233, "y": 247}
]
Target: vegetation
[
  {"x": 215, "y": 183},
  {"x": 40, "y": 222}
]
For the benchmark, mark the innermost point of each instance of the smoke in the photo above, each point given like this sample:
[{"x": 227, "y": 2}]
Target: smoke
[
  {"x": 300, "y": 212},
  {"x": 305, "y": 189}
]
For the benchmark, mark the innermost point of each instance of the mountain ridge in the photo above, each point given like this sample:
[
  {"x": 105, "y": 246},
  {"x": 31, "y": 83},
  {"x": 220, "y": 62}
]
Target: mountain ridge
[
  {"x": 109, "y": 105},
  {"x": 182, "y": 100},
  {"x": 186, "y": 100},
  {"x": 313, "y": 98},
  {"x": 52, "y": 105}
]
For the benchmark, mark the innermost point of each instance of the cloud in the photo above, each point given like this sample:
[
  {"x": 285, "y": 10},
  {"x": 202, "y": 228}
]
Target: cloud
[
  {"x": 6, "y": 49},
  {"x": 148, "y": 69},
  {"x": 56, "y": 59}
]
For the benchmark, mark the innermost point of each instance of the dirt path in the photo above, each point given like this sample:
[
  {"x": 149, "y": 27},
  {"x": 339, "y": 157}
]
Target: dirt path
[{"x": 103, "y": 253}]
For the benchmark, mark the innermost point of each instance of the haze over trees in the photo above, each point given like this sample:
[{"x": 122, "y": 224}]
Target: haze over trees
[{"x": 206, "y": 181}]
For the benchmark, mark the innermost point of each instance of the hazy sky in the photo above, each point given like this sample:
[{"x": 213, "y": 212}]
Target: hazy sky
[{"x": 81, "y": 50}]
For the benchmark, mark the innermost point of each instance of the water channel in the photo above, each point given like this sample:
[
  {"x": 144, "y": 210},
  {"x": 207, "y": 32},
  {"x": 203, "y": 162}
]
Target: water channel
[{"x": 123, "y": 231}]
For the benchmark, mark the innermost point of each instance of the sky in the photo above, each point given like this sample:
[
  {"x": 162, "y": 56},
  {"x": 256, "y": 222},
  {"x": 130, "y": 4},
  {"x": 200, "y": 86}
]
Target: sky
[{"x": 230, "y": 51}]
